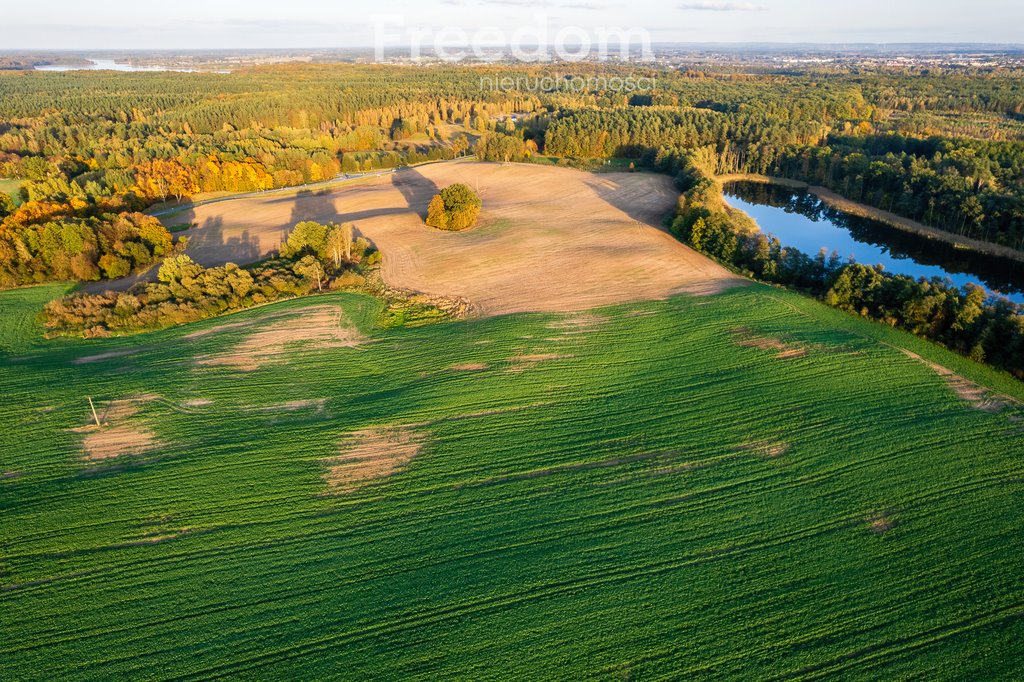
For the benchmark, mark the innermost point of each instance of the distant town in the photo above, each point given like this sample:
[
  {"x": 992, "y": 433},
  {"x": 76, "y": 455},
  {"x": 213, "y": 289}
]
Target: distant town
[{"x": 768, "y": 56}]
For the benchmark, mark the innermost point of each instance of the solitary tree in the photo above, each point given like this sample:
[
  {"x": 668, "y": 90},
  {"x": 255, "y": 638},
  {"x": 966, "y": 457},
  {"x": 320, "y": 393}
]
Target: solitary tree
[{"x": 178, "y": 268}]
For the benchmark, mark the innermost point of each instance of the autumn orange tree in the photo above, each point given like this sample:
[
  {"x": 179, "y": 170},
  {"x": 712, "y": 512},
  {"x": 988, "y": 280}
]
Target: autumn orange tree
[{"x": 456, "y": 207}]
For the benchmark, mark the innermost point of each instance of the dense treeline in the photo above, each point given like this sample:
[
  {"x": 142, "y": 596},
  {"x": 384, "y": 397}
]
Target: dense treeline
[
  {"x": 172, "y": 134},
  {"x": 986, "y": 329},
  {"x": 314, "y": 257},
  {"x": 168, "y": 135},
  {"x": 967, "y": 187},
  {"x": 45, "y": 241}
]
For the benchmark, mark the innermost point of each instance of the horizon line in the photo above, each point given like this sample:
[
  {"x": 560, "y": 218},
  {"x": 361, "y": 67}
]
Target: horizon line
[{"x": 661, "y": 43}]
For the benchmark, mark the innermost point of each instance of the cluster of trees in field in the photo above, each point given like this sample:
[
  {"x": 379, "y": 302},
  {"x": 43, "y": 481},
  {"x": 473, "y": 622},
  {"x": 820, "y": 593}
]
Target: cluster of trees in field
[
  {"x": 455, "y": 208},
  {"x": 314, "y": 257},
  {"x": 967, "y": 320},
  {"x": 43, "y": 241}
]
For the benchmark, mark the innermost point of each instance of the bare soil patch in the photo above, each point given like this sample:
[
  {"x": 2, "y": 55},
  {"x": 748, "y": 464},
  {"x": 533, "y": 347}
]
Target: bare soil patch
[
  {"x": 538, "y": 357},
  {"x": 470, "y": 367},
  {"x": 783, "y": 350},
  {"x": 241, "y": 324},
  {"x": 316, "y": 327},
  {"x": 578, "y": 324},
  {"x": 120, "y": 432},
  {"x": 371, "y": 454},
  {"x": 880, "y": 523},
  {"x": 550, "y": 239},
  {"x": 318, "y": 405},
  {"x": 763, "y": 343},
  {"x": 219, "y": 328},
  {"x": 520, "y": 363},
  {"x": 119, "y": 410},
  {"x": 114, "y": 441}
]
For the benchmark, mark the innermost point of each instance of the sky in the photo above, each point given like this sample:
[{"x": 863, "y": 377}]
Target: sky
[{"x": 250, "y": 24}]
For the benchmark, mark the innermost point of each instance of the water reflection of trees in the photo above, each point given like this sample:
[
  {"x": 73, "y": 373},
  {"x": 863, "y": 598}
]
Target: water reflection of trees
[{"x": 999, "y": 274}]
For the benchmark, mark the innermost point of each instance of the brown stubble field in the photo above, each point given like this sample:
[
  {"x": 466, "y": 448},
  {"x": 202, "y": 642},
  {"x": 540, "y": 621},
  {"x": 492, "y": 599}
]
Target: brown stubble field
[{"x": 549, "y": 239}]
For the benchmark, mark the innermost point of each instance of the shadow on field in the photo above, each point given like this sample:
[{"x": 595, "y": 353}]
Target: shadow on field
[
  {"x": 316, "y": 206},
  {"x": 416, "y": 189},
  {"x": 321, "y": 207},
  {"x": 122, "y": 284},
  {"x": 638, "y": 208},
  {"x": 208, "y": 246}
]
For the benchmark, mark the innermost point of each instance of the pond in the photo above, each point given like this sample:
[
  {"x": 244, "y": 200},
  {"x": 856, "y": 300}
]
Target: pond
[{"x": 802, "y": 221}]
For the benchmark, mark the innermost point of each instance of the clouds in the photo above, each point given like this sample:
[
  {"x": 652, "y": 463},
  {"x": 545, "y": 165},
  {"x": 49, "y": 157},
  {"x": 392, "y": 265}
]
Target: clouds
[{"x": 712, "y": 6}]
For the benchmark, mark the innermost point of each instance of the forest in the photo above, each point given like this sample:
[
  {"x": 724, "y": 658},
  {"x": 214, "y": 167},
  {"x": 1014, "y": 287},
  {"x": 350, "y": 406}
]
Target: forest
[
  {"x": 92, "y": 150},
  {"x": 47, "y": 240},
  {"x": 944, "y": 149}
]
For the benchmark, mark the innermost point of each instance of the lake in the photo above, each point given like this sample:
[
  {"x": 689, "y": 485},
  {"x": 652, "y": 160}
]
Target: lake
[
  {"x": 800, "y": 220},
  {"x": 108, "y": 65}
]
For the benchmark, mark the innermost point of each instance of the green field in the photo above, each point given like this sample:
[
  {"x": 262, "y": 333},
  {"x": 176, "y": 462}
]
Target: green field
[
  {"x": 11, "y": 187},
  {"x": 651, "y": 500}
]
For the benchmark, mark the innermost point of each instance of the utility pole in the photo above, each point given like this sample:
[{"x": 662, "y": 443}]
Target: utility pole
[{"x": 94, "y": 415}]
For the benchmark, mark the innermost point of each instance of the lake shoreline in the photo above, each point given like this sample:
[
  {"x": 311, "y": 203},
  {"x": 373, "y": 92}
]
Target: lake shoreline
[
  {"x": 803, "y": 221},
  {"x": 870, "y": 212}
]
